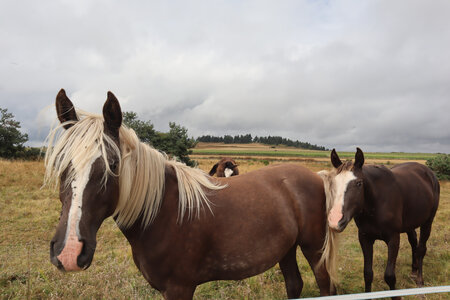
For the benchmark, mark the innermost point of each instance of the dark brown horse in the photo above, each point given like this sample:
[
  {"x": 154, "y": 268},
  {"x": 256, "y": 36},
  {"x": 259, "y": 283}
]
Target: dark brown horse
[
  {"x": 384, "y": 203},
  {"x": 225, "y": 167},
  {"x": 185, "y": 227}
]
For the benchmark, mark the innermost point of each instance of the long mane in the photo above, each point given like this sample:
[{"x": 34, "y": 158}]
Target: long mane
[{"x": 141, "y": 170}]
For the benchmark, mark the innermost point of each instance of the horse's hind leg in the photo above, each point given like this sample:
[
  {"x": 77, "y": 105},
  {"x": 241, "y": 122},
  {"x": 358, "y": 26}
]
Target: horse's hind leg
[
  {"x": 412, "y": 238},
  {"x": 320, "y": 272},
  {"x": 292, "y": 278},
  {"x": 425, "y": 231}
]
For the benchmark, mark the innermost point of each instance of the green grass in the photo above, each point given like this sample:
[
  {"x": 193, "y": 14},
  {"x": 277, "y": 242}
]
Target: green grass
[
  {"x": 28, "y": 217},
  {"x": 313, "y": 154}
]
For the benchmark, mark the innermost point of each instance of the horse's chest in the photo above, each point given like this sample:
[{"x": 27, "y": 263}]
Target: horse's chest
[{"x": 378, "y": 223}]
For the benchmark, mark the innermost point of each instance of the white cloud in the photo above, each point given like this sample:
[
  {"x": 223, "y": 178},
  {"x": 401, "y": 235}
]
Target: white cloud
[{"x": 335, "y": 73}]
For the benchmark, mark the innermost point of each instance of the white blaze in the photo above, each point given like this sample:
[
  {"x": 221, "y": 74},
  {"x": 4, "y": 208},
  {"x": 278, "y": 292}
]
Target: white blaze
[
  {"x": 72, "y": 245},
  {"x": 228, "y": 172},
  {"x": 78, "y": 185},
  {"x": 341, "y": 182}
]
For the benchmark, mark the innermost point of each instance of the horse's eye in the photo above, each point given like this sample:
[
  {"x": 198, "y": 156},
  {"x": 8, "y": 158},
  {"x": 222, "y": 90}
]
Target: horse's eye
[
  {"x": 113, "y": 166},
  {"x": 359, "y": 183}
]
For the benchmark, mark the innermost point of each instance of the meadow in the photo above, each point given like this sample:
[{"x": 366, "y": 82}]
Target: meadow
[{"x": 29, "y": 214}]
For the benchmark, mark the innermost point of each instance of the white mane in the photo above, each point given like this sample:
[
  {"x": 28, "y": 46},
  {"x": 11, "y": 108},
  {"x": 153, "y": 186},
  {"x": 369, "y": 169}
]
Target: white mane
[{"x": 141, "y": 169}]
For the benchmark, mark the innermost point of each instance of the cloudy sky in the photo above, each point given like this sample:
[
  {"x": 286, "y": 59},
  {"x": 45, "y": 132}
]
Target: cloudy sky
[{"x": 373, "y": 74}]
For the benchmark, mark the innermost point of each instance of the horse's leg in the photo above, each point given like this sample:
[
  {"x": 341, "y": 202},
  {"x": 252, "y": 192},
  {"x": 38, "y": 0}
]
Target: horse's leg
[
  {"x": 389, "y": 275},
  {"x": 425, "y": 231},
  {"x": 320, "y": 273},
  {"x": 366, "y": 243},
  {"x": 292, "y": 278},
  {"x": 412, "y": 238},
  {"x": 178, "y": 292}
]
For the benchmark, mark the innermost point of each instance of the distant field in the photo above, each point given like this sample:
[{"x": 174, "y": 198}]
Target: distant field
[
  {"x": 277, "y": 151},
  {"x": 29, "y": 214}
]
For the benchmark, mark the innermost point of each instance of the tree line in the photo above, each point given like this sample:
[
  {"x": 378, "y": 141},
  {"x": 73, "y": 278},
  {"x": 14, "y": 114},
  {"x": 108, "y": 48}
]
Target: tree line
[{"x": 268, "y": 140}]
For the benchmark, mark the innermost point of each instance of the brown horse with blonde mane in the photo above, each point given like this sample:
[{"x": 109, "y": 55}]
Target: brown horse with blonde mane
[
  {"x": 384, "y": 203},
  {"x": 225, "y": 167},
  {"x": 185, "y": 227}
]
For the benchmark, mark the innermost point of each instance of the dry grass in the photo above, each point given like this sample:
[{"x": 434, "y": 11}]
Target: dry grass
[{"x": 28, "y": 216}]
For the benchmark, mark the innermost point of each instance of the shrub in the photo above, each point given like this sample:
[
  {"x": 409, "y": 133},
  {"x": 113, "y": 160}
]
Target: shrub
[{"x": 440, "y": 164}]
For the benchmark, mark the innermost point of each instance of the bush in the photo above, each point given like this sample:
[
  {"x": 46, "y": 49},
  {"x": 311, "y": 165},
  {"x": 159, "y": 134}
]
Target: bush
[{"x": 440, "y": 164}]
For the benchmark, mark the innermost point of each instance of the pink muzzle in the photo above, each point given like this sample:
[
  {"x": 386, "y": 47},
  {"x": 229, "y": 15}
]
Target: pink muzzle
[
  {"x": 334, "y": 216},
  {"x": 69, "y": 255}
]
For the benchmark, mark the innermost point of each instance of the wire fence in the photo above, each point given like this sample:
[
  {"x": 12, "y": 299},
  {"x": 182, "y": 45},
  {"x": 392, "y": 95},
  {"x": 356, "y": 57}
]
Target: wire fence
[{"x": 388, "y": 294}]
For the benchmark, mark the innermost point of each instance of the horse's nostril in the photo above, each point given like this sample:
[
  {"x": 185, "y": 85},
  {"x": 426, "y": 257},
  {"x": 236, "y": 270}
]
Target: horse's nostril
[{"x": 52, "y": 248}]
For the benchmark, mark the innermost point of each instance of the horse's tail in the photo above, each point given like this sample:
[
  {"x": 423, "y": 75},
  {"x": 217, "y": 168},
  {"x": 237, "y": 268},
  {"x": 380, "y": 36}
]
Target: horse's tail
[
  {"x": 436, "y": 188},
  {"x": 329, "y": 254}
]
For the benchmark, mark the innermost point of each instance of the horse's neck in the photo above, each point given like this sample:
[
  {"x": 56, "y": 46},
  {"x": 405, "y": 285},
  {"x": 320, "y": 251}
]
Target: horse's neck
[
  {"x": 169, "y": 205},
  {"x": 376, "y": 179}
]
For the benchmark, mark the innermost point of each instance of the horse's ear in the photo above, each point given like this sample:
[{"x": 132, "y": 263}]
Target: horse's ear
[
  {"x": 359, "y": 158},
  {"x": 112, "y": 114},
  {"x": 335, "y": 160},
  {"x": 213, "y": 170},
  {"x": 64, "y": 109}
]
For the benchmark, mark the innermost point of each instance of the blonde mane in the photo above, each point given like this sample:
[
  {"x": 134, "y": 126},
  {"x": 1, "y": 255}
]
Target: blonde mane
[
  {"x": 331, "y": 244},
  {"x": 141, "y": 169}
]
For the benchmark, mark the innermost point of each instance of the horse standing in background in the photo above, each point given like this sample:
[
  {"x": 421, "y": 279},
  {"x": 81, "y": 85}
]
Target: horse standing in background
[
  {"x": 384, "y": 203},
  {"x": 226, "y": 167},
  {"x": 185, "y": 227}
]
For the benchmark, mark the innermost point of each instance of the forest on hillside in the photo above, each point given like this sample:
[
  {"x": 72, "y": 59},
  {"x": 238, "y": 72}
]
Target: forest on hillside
[{"x": 268, "y": 140}]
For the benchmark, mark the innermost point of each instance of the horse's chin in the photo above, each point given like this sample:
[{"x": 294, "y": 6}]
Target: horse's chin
[{"x": 342, "y": 224}]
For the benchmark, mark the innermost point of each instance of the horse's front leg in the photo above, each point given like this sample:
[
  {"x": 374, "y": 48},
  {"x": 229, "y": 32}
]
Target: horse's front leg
[
  {"x": 389, "y": 275},
  {"x": 366, "y": 243},
  {"x": 178, "y": 292}
]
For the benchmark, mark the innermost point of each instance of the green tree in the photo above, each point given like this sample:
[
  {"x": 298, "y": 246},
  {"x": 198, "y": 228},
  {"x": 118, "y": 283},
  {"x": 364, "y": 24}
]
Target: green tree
[
  {"x": 144, "y": 129},
  {"x": 11, "y": 139},
  {"x": 178, "y": 144},
  {"x": 175, "y": 143}
]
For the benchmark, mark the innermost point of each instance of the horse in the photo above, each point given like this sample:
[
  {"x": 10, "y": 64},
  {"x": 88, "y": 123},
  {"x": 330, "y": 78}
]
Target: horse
[
  {"x": 185, "y": 227},
  {"x": 384, "y": 203},
  {"x": 225, "y": 167}
]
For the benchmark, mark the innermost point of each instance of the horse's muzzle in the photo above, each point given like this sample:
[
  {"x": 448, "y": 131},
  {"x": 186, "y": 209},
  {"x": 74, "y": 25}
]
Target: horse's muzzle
[{"x": 69, "y": 262}]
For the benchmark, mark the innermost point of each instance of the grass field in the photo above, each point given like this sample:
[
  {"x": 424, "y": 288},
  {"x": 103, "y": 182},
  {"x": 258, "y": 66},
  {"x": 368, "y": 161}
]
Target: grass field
[
  {"x": 259, "y": 150},
  {"x": 28, "y": 216}
]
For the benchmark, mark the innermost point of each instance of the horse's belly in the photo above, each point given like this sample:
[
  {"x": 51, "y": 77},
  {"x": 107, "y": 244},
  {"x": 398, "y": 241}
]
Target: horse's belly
[{"x": 249, "y": 259}]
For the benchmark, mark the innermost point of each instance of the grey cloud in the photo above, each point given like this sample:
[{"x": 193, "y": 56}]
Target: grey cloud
[{"x": 338, "y": 74}]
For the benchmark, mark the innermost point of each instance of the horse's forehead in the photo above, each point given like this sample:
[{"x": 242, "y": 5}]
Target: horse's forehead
[
  {"x": 342, "y": 179},
  {"x": 88, "y": 163}
]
